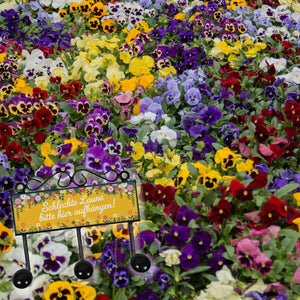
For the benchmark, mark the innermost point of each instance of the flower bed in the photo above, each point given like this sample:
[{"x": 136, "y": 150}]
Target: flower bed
[{"x": 198, "y": 101}]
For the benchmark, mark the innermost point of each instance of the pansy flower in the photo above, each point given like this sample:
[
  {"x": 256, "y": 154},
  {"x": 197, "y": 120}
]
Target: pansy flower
[
  {"x": 227, "y": 158},
  {"x": 189, "y": 258},
  {"x": 220, "y": 212},
  {"x": 119, "y": 277},
  {"x": 185, "y": 215},
  {"x": 59, "y": 290},
  {"x": 56, "y": 257},
  {"x": 6, "y": 235},
  {"x": 178, "y": 235}
]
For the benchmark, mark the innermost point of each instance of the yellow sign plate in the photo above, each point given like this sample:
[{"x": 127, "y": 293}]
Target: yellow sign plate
[{"x": 75, "y": 207}]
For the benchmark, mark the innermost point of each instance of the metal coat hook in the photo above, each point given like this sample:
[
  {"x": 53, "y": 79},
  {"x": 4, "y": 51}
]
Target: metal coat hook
[
  {"x": 23, "y": 278},
  {"x": 139, "y": 262},
  {"x": 83, "y": 268}
]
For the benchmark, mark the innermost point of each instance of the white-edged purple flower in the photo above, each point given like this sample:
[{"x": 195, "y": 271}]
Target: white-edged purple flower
[
  {"x": 93, "y": 158},
  {"x": 56, "y": 258},
  {"x": 193, "y": 96}
]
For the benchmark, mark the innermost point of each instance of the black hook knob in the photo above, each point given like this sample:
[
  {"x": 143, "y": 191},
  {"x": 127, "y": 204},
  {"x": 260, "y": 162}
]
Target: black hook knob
[
  {"x": 83, "y": 269},
  {"x": 22, "y": 278},
  {"x": 140, "y": 263}
]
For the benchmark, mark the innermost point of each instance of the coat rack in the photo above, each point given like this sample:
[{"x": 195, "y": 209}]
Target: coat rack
[{"x": 79, "y": 194}]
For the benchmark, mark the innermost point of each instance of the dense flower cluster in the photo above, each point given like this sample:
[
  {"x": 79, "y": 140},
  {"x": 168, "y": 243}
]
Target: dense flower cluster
[{"x": 199, "y": 101}]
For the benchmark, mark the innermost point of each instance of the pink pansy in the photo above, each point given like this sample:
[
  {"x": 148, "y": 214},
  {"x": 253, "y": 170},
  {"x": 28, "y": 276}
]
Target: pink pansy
[
  {"x": 247, "y": 250},
  {"x": 263, "y": 263},
  {"x": 124, "y": 99},
  {"x": 267, "y": 233},
  {"x": 275, "y": 287},
  {"x": 297, "y": 276}
]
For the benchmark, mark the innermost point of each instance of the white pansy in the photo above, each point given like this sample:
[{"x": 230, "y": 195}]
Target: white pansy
[
  {"x": 147, "y": 116},
  {"x": 171, "y": 257},
  {"x": 293, "y": 76},
  {"x": 279, "y": 63},
  {"x": 164, "y": 133},
  {"x": 224, "y": 275},
  {"x": 46, "y": 3}
]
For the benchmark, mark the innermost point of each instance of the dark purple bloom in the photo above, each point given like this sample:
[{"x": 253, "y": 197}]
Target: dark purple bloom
[
  {"x": 292, "y": 96},
  {"x": 270, "y": 92},
  {"x": 185, "y": 215},
  {"x": 146, "y": 237},
  {"x": 198, "y": 131},
  {"x": 21, "y": 175},
  {"x": 178, "y": 235},
  {"x": 147, "y": 294},
  {"x": 131, "y": 132},
  {"x": 228, "y": 138},
  {"x": 210, "y": 115},
  {"x": 185, "y": 36},
  {"x": 83, "y": 106},
  {"x": 201, "y": 241},
  {"x": 119, "y": 277},
  {"x": 189, "y": 258},
  {"x": 6, "y": 183},
  {"x": 93, "y": 128},
  {"x": 93, "y": 158},
  {"x": 157, "y": 33},
  {"x": 153, "y": 147},
  {"x": 44, "y": 171}
]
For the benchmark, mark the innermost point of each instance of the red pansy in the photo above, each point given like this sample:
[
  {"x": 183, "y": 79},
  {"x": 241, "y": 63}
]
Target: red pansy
[
  {"x": 220, "y": 212},
  {"x": 13, "y": 149},
  {"x": 45, "y": 115}
]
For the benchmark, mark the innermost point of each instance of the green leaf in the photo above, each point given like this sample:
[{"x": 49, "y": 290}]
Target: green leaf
[
  {"x": 36, "y": 159},
  {"x": 147, "y": 226},
  {"x": 5, "y": 287},
  {"x": 143, "y": 131},
  {"x": 217, "y": 146},
  {"x": 198, "y": 269},
  {"x": 66, "y": 107},
  {"x": 289, "y": 233},
  {"x": 179, "y": 200},
  {"x": 230, "y": 250},
  {"x": 296, "y": 288},
  {"x": 120, "y": 295},
  {"x": 193, "y": 170},
  {"x": 286, "y": 189},
  {"x": 153, "y": 248},
  {"x": 3, "y": 172}
]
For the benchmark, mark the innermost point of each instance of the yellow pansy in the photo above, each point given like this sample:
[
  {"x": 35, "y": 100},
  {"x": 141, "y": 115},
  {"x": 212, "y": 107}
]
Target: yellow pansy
[
  {"x": 2, "y": 57},
  {"x": 224, "y": 47},
  {"x": 86, "y": 292},
  {"x": 129, "y": 84},
  {"x": 125, "y": 57},
  {"x": 164, "y": 181},
  {"x": 226, "y": 158},
  {"x": 182, "y": 175},
  {"x": 153, "y": 173},
  {"x": 143, "y": 26},
  {"x": 146, "y": 81},
  {"x": 297, "y": 197},
  {"x": 228, "y": 179},
  {"x": 211, "y": 179},
  {"x": 23, "y": 87},
  {"x": 296, "y": 6},
  {"x": 42, "y": 82},
  {"x": 46, "y": 150},
  {"x": 6, "y": 233},
  {"x": 179, "y": 16},
  {"x": 62, "y": 288},
  {"x": 114, "y": 73},
  {"x": 138, "y": 150},
  {"x": 139, "y": 66},
  {"x": 167, "y": 71},
  {"x": 132, "y": 35},
  {"x": 109, "y": 59},
  {"x": 297, "y": 222}
]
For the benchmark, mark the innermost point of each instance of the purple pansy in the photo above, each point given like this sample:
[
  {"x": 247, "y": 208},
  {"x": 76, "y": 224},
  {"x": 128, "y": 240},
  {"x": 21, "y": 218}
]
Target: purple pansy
[
  {"x": 178, "y": 235},
  {"x": 202, "y": 241},
  {"x": 119, "y": 277},
  {"x": 189, "y": 258},
  {"x": 210, "y": 115},
  {"x": 93, "y": 158},
  {"x": 185, "y": 215}
]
